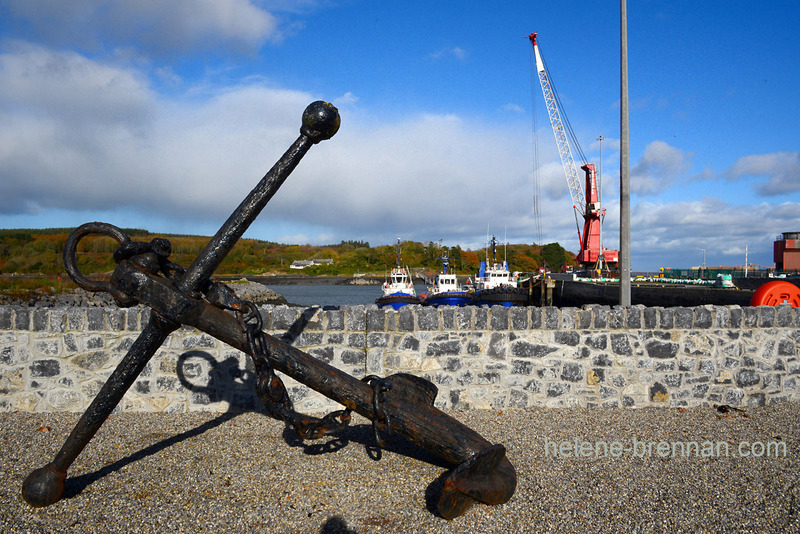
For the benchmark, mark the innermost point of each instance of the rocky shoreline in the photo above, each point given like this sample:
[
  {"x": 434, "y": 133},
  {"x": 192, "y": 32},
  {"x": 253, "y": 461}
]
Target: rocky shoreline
[{"x": 246, "y": 289}]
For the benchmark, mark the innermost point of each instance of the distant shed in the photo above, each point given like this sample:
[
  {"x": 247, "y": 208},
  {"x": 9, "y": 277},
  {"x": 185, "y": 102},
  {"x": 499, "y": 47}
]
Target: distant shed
[{"x": 787, "y": 252}]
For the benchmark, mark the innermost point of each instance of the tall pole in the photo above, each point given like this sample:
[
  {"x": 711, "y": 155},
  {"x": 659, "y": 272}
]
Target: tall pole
[
  {"x": 602, "y": 256},
  {"x": 624, "y": 170}
]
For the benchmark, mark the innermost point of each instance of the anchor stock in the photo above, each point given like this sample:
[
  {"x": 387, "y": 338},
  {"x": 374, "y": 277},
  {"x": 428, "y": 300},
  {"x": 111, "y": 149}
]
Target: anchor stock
[{"x": 400, "y": 404}]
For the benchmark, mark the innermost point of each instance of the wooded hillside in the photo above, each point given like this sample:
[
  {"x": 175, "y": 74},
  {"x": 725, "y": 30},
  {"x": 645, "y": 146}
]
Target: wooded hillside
[{"x": 40, "y": 252}]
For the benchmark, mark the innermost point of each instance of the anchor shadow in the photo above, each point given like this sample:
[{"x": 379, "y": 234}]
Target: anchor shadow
[{"x": 75, "y": 485}]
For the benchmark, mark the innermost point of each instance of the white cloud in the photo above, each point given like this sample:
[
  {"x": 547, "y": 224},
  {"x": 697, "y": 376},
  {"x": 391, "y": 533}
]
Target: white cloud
[
  {"x": 658, "y": 170},
  {"x": 106, "y": 140},
  {"x": 514, "y": 108},
  {"x": 781, "y": 170},
  {"x": 153, "y": 26},
  {"x": 672, "y": 234},
  {"x": 455, "y": 52}
]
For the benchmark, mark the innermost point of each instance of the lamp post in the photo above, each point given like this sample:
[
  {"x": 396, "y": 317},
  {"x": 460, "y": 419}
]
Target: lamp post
[
  {"x": 704, "y": 261},
  {"x": 624, "y": 168}
]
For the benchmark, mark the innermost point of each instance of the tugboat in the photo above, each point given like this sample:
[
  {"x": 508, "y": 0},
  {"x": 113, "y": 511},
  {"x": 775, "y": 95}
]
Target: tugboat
[
  {"x": 398, "y": 290},
  {"x": 495, "y": 286},
  {"x": 445, "y": 290}
]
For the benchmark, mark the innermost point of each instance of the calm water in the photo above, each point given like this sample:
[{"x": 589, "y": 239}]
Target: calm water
[{"x": 325, "y": 295}]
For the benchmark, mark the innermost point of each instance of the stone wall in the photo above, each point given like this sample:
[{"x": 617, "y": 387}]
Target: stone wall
[{"x": 56, "y": 359}]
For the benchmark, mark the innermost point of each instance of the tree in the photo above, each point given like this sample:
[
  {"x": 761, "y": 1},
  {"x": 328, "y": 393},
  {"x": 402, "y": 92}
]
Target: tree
[{"x": 555, "y": 256}]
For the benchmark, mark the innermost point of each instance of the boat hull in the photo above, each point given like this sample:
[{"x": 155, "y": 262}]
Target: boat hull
[
  {"x": 501, "y": 296},
  {"x": 448, "y": 298},
  {"x": 397, "y": 300}
]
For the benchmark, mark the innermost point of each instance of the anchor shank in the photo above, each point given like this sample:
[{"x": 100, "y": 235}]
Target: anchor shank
[
  {"x": 320, "y": 122},
  {"x": 226, "y": 237}
]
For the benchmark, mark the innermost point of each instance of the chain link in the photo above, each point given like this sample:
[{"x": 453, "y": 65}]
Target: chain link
[{"x": 270, "y": 388}]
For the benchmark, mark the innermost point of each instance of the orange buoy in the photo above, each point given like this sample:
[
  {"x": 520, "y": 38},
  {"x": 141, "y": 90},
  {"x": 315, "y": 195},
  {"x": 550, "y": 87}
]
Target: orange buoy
[{"x": 776, "y": 293}]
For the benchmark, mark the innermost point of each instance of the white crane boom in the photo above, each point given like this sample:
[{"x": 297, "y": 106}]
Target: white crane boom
[{"x": 570, "y": 170}]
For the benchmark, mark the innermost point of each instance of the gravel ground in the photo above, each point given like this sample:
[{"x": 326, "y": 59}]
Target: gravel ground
[{"x": 204, "y": 472}]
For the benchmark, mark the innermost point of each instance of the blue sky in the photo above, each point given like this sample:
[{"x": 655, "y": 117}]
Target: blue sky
[{"x": 163, "y": 115}]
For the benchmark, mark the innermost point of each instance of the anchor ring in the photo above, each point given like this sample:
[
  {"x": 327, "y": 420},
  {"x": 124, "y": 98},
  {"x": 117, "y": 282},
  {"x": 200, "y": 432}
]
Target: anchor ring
[{"x": 71, "y": 259}]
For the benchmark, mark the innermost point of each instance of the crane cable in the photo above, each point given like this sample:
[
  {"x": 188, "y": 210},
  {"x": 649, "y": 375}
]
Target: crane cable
[
  {"x": 572, "y": 137},
  {"x": 537, "y": 215}
]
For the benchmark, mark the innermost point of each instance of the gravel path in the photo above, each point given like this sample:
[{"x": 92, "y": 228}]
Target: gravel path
[{"x": 205, "y": 472}]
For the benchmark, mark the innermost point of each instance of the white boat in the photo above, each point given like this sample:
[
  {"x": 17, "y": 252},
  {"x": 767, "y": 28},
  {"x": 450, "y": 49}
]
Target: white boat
[
  {"x": 446, "y": 291},
  {"x": 495, "y": 284},
  {"x": 398, "y": 289}
]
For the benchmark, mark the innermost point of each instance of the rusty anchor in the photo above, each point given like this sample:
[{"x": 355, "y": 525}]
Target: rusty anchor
[{"x": 400, "y": 404}]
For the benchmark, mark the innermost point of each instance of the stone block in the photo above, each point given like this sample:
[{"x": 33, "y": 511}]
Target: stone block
[
  {"x": 65, "y": 400},
  {"x": 634, "y": 318},
  {"x": 661, "y": 349},
  {"x": 451, "y": 347},
  {"x": 497, "y": 347},
  {"x": 569, "y": 338},
  {"x": 683, "y": 317},
  {"x": 96, "y": 319},
  {"x": 572, "y": 372},
  {"x": 22, "y": 318},
  {"x": 519, "y": 317},
  {"x": 620, "y": 344},
  {"x": 583, "y": 319},
  {"x": 666, "y": 318},
  {"x": 356, "y": 318},
  {"x": 378, "y": 339},
  {"x": 736, "y": 316},
  {"x": 567, "y": 319},
  {"x": 481, "y": 318},
  {"x": 600, "y": 317},
  {"x": 526, "y": 349},
  {"x": 75, "y": 319},
  {"x": 357, "y": 340},
  {"x": 536, "y": 318},
  {"x": 550, "y": 317},
  {"x": 448, "y": 314},
  {"x": 521, "y": 367},
  {"x": 784, "y": 316},
  {"x": 405, "y": 319},
  {"x": 703, "y": 317},
  {"x": 39, "y": 319},
  {"x": 616, "y": 317},
  {"x": 428, "y": 318},
  {"x": 45, "y": 368},
  {"x": 747, "y": 378},
  {"x": 499, "y": 318},
  {"x": 6, "y": 318},
  {"x": 750, "y": 316},
  {"x": 664, "y": 366},
  {"x": 334, "y": 319},
  {"x": 766, "y": 316},
  {"x": 556, "y": 389},
  {"x": 650, "y": 318}
]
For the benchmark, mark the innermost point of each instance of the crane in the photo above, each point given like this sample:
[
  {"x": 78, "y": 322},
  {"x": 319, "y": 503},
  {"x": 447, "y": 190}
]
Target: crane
[{"x": 585, "y": 198}]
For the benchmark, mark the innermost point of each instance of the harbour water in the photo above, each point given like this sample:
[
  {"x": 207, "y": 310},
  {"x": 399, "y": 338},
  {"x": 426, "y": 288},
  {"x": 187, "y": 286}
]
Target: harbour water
[{"x": 331, "y": 295}]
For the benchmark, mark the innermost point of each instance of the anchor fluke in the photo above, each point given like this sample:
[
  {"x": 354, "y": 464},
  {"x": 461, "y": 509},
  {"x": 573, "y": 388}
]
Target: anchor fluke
[{"x": 487, "y": 477}]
